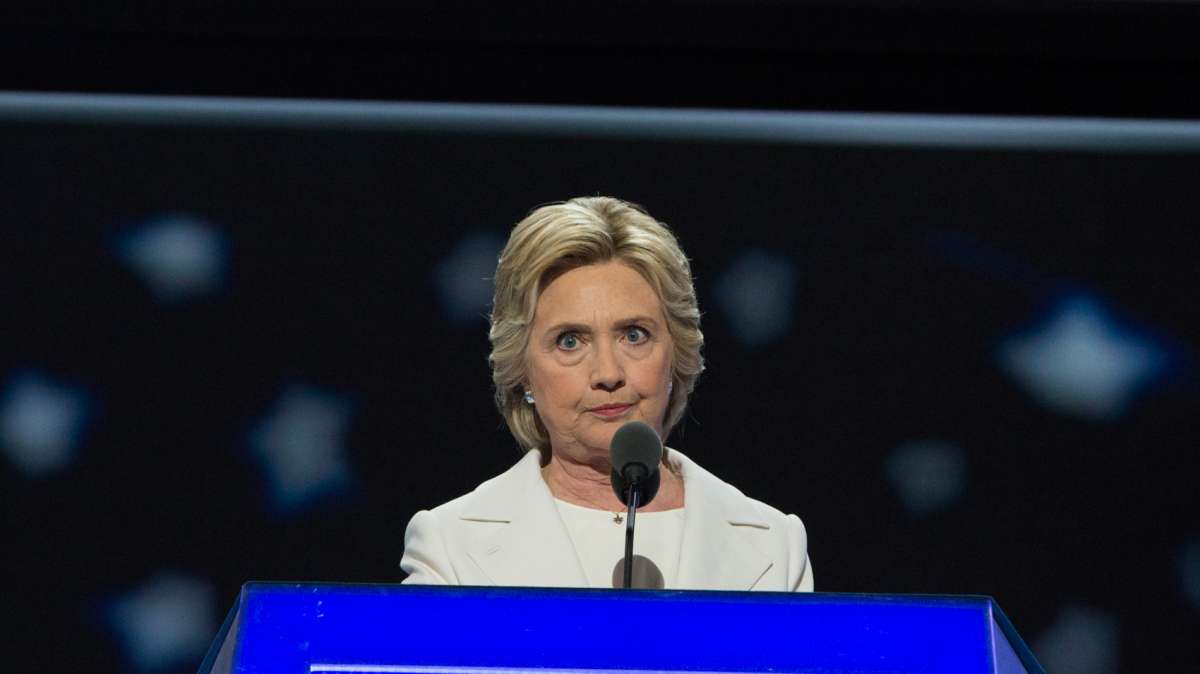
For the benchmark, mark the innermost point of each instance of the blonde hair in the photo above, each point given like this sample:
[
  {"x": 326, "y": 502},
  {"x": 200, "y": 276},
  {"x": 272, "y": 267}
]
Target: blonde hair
[{"x": 562, "y": 236}]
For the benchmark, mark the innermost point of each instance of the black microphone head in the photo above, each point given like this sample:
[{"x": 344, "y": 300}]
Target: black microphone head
[{"x": 635, "y": 453}]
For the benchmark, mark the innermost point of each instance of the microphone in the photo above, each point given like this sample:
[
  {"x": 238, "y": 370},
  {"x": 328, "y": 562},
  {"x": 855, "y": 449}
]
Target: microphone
[{"x": 635, "y": 453}]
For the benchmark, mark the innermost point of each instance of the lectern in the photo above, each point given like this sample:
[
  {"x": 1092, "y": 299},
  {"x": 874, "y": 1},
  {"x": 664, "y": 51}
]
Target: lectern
[{"x": 326, "y": 628}]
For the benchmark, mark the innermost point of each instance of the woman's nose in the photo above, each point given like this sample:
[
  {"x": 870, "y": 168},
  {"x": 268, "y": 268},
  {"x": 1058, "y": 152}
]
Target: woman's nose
[{"x": 607, "y": 371}]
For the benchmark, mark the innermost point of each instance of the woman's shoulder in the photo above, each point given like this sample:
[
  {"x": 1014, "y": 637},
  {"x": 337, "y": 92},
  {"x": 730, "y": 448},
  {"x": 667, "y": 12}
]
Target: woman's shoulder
[
  {"x": 734, "y": 504},
  {"x": 724, "y": 510},
  {"x": 491, "y": 498}
]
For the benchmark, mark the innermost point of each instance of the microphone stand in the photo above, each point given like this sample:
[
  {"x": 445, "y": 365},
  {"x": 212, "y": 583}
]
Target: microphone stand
[{"x": 632, "y": 500}]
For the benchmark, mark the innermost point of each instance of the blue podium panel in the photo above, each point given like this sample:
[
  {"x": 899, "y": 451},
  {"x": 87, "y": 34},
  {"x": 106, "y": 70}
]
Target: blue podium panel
[{"x": 322, "y": 629}]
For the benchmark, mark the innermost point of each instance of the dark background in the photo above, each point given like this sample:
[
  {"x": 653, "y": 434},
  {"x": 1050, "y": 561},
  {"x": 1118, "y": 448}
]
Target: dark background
[
  {"x": 1057, "y": 57},
  {"x": 913, "y": 265}
]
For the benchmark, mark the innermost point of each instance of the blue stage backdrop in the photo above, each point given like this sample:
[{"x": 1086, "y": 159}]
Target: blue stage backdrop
[{"x": 247, "y": 341}]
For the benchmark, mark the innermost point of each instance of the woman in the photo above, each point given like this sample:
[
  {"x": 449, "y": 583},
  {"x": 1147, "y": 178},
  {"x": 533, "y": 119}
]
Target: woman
[{"x": 595, "y": 324}]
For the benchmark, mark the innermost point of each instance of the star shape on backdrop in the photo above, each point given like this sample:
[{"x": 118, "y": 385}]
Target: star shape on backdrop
[
  {"x": 927, "y": 475},
  {"x": 301, "y": 447},
  {"x": 756, "y": 294},
  {"x": 1079, "y": 361},
  {"x": 463, "y": 279},
  {"x": 164, "y": 623},
  {"x": 1081, "y": 639},
  {"x": 179, "y": 257},
  {"x": 42, "y": 422}
]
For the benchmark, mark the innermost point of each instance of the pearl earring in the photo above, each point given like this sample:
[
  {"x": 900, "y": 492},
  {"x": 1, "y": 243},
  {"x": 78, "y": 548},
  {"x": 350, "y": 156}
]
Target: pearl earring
[{"x": 529, "y": 396}]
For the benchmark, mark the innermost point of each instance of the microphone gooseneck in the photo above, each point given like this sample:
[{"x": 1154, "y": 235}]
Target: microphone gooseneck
[{"x": 635, "y": 453}]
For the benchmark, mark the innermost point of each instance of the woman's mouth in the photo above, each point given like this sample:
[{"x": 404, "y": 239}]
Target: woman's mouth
[{"x": 611, "y": 411}]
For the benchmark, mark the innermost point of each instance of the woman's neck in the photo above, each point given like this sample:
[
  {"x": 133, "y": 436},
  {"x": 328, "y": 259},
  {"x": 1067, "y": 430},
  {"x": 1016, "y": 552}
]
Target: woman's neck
[{"x": 590, "y": 486}]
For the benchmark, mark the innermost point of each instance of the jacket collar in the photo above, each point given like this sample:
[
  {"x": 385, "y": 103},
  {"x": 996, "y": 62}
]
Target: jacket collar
[
  {"x": 719, "y": 526},
  {"x": 533, "y": 547}
]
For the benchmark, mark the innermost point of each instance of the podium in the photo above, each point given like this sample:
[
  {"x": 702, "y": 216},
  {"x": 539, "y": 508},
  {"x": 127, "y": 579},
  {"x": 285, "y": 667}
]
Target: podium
[{"x": 359, "y": 629}]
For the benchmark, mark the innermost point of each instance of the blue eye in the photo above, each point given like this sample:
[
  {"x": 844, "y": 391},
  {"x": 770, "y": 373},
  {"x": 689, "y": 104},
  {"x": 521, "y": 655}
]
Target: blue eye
[
  {"x": 636, "y": 335},
  {"x": 568, "y": 341}
]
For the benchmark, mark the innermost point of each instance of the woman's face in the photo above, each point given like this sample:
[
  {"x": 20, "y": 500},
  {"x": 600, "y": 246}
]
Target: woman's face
[{"x": 599, "y": 356}]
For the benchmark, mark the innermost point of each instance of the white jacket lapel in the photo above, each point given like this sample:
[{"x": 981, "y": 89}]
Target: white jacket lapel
[
  {"x": 533, "y": 548},
  {"x": 719, "y": 527}
]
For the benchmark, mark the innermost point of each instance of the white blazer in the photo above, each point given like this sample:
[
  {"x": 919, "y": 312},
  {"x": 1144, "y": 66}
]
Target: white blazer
[{"x": 508, "y": 532}]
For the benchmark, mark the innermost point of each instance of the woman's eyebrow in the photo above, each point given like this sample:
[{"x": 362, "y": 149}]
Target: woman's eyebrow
[
  {"x": 568, "y": 327},
  {"x": 572, "y": 326},
  {"x": 637, "y": 319}
]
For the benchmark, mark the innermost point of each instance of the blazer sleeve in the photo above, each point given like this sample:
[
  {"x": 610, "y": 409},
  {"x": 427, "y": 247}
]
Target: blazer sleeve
[
  {"x": 800, "y": 573},
  {"x": 425, "y": 559}
]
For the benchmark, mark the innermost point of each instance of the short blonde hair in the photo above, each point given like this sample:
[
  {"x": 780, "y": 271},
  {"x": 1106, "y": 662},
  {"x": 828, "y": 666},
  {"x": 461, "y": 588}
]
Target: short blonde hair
[{"x": 562, "y": 236}]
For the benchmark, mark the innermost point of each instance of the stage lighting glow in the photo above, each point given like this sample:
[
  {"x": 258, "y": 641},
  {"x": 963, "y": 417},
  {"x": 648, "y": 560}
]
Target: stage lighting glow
[
  {"x": 1082, "y": 639},
  {"x": 301, "y": 447},
  {"x": 164, "y": 624},
  {"x": 1079, "y": 361},
  {"x": 928, "y": 475},
  {"x": 756, "y": 296},
  {"x": 178, "y": 257},
  {"x": 464, "y": 278},
  {"x": 42, "y": 422}
]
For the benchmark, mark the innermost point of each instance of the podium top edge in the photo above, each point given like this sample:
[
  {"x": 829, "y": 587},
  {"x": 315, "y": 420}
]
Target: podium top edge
[{"x": 287, "y": 587}]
